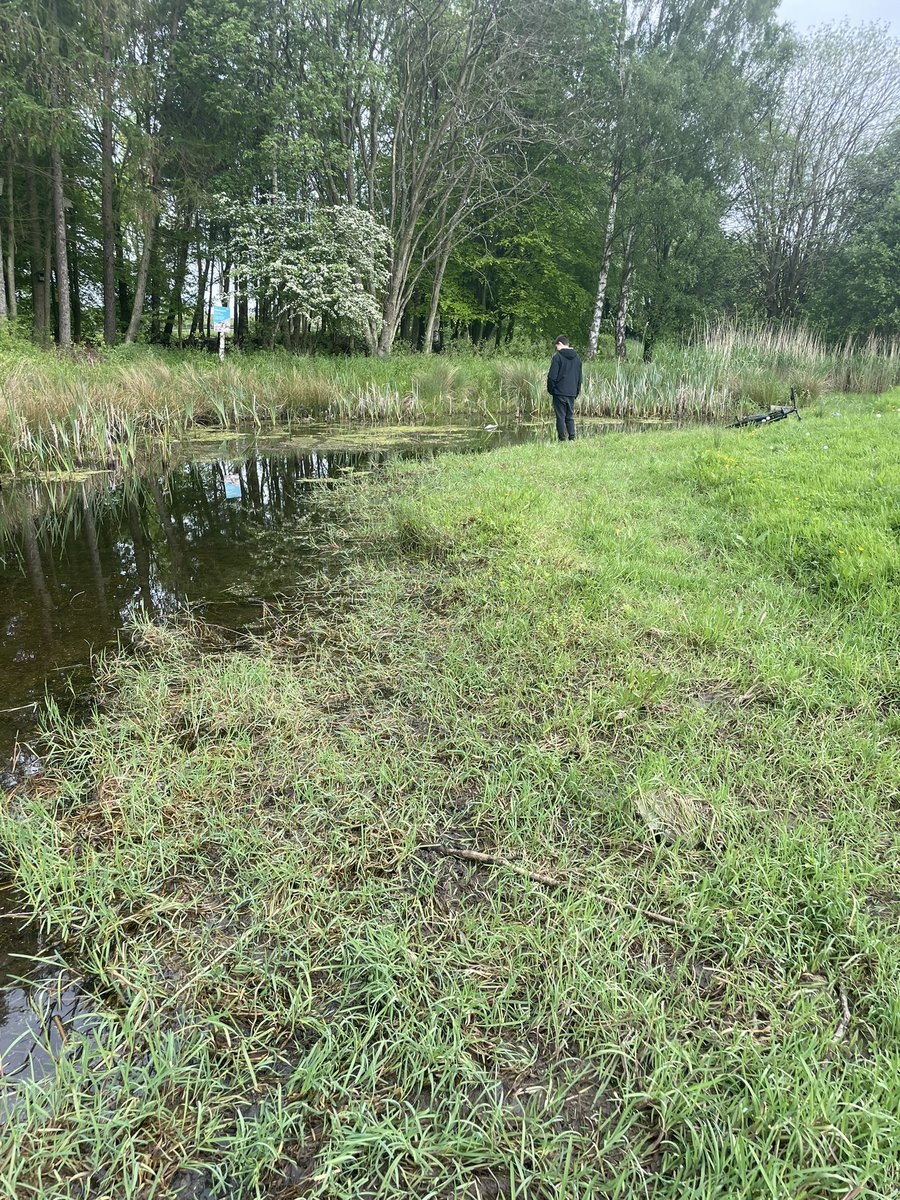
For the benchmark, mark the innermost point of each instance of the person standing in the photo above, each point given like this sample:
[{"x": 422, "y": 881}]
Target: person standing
[{"x": 564, "y": 384}]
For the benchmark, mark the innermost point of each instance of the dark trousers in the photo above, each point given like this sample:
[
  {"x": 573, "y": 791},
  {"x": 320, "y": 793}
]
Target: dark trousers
[{"x": 563, "y": 406}]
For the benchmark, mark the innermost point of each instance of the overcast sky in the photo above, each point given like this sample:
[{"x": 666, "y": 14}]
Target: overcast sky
[{"x": 806, "y": 13}]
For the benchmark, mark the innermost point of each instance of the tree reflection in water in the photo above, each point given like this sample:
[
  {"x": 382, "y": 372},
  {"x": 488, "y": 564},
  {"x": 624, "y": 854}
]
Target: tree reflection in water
[{"x": 79, "y": 561}]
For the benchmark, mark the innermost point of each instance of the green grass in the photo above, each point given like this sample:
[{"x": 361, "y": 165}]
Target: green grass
[
  {"x": 660, "y": 670},
  {"x": 112, "y": 409}
]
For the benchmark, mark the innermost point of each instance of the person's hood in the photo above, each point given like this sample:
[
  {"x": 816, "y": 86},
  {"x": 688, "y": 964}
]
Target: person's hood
[{"x": 568, "y": 352}]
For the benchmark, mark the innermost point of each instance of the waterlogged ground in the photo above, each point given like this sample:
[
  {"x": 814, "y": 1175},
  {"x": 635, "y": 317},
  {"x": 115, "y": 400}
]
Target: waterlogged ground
[
  {"x": 230, "y": 529},
  {"x": 39, "y": 1004}
]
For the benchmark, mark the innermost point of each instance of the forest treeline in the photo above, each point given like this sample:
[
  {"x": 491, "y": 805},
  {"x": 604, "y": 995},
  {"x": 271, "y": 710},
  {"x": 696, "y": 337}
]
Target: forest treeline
[{"x": 358, "y": 173}]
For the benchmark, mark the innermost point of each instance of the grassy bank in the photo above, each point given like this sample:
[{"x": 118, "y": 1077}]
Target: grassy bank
[
  {"x": 61, "y": 414},
  {"x": 651, "y": 680}
]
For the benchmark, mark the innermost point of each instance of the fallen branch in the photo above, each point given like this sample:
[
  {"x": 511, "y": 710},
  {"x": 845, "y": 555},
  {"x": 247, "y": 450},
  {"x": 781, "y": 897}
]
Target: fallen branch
[
  {"x": 844, "y": 1023},
  {"x": 498, "y": 860},
  {"x": 649, "y": 914}
]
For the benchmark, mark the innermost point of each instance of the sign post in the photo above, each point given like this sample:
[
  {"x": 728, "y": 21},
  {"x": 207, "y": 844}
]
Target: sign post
[{"x": 221, "y": 315}]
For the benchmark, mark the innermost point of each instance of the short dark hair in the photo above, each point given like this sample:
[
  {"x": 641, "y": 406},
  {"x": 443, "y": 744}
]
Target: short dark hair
[{"x": 564, "y": 340}]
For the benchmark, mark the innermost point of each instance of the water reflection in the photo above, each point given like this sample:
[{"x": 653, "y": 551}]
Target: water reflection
[
  {"x": 77, "y": 563},
  {"x": 39, "y": 1006}
]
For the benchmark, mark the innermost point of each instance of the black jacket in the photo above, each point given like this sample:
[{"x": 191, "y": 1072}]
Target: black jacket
[{"x": 564, "y": 376}]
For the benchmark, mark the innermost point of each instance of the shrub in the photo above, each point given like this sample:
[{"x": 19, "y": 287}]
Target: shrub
[{"x": 606, "y": 346}]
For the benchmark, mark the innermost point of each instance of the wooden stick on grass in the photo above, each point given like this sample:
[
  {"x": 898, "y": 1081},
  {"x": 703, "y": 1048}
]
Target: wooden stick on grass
[
  {"x": 650, "y": 914},
  {"x": 498, "y": 860},
  {"x": 844, "y": 1023}
]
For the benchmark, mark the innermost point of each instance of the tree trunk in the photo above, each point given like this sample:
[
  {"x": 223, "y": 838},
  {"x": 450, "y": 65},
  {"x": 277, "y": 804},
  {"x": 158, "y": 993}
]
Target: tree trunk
[
  {"x": 49, "y": 324},
  {"x": 63, "y": 294},
  {"x": 140, "y": 286},
  {"x": 197, "y": 321},
  {"x": 75, "y": 281},
  {"x": 175, "y": 298},
  {"x": 624, "y": 295},
  {"x": 389, "y": 319},
  {"x": 406, "y": 325},
  {"x": 594, "y": 337},
  {"x": 11, "y": 246},
  {"x": 2, "y": 270},
  {"x": 657, "y": 311},
  {"x": 391, "y": 310},
  {"x": 124, "y": 300},
  {"x": 439, "y": 269},
  {"x": 38, "y": 280},
  {"x": 155, "y": 298},
  {"x": 243, "y": 318},
  {"x": 107, "y": 203}
]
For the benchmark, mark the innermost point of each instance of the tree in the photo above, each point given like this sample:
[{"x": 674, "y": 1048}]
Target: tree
[
  {"x": 32, "y": 80},
  {"x": 858, "y": 292},
  {"x": 3, "y": 304},
  {"x": 836, "y": 102},
  {"x": 676, "y": 98},
  {"x": 327, "y": 264},
  {"x": 522, "y": 156},
  {"x": 436, "y": 105}
]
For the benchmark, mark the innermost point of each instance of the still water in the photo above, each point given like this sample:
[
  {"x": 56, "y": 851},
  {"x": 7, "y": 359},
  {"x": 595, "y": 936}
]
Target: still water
[{"x": 228, "y": 531}]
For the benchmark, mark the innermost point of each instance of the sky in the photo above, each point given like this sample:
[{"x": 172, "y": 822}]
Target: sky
[{"x": 806, "y": 13}]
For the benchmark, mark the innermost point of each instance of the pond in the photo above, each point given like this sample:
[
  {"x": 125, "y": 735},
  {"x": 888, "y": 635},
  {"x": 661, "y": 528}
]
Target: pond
[{"x": 228, "y": 530}]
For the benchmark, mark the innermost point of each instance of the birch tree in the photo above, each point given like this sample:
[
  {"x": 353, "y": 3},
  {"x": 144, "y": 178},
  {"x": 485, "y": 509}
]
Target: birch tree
[{"x": 679, "y": 87}]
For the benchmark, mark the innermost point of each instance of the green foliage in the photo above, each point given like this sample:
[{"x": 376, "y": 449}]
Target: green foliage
[
  {"x": 363, "y": 193},
  {"x": 606, "y": 346},
  {"x": 860, "y": 294},
  {"x": 324, "y": 263},
  {"x": 806, "y": 167}
]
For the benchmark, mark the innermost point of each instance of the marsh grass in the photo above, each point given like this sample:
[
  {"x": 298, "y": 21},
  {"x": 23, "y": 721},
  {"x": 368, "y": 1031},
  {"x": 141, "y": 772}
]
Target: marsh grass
[
  {"x": 676, "y": 703},
  {"x": 60, "y": 414},
  {"x": 57, "y": 415}
]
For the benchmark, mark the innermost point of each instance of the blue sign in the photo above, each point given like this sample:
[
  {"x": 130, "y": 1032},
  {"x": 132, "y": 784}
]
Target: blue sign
[{"x": 221, "y": 316}]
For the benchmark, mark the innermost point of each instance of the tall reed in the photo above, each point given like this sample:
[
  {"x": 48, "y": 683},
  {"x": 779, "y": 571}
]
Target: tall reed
[{"x": 59, "y": 415}]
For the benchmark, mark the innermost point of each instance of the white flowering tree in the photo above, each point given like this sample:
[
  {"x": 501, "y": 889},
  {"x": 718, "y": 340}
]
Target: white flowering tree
[{"x": 326, "y": 263}]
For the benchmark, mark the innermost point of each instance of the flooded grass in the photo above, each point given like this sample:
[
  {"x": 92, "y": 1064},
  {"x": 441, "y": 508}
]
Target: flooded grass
[{"x": 556, "y": 859}]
